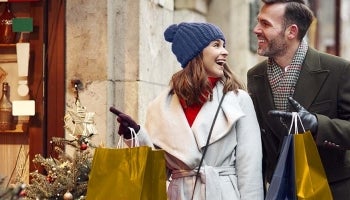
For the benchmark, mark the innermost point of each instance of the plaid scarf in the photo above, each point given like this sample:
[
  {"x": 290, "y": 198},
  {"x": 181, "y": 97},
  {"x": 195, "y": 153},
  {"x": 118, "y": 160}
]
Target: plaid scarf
[{"x": 283, "y": 82}]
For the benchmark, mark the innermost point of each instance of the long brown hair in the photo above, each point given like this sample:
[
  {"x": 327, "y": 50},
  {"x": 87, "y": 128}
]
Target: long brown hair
[{"x": 192, "y": 85}]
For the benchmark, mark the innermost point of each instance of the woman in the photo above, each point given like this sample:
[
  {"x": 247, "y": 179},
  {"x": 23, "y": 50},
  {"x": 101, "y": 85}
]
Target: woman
[{"x": 179, "y": 120}]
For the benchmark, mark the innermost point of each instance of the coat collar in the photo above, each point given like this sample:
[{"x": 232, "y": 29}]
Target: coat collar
[
  {"x": 230, "y": 112},
  {"x": 171, "y": 121},
  {"x": 309, "y": 83},
  {"x": 310, "y": 80}
]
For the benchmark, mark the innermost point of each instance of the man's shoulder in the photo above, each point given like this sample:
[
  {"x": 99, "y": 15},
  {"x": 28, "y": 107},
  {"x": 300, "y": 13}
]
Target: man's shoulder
[
  {"x": 258, "y": 68},
  {"x": 326, "y": 57}
]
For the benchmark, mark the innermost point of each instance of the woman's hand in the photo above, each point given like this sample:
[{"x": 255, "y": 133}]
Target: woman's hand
[{"x": 125, "y": 121}]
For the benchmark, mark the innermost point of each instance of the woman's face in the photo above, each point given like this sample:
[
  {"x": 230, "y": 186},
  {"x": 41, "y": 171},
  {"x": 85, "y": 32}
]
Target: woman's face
[{"x": 214, "y": 58}]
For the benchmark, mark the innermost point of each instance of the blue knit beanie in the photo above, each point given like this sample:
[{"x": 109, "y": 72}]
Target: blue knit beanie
[{"x": 189, "y": 39}]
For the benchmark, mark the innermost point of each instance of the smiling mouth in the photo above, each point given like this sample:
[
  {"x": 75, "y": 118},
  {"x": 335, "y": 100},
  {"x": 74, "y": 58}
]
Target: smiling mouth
[
  {"x": 261, "y": 40},
  {"x": 220, "y": 62}
]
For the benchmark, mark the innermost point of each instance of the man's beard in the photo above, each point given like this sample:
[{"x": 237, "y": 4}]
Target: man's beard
[{"x": 276, "y": 47}]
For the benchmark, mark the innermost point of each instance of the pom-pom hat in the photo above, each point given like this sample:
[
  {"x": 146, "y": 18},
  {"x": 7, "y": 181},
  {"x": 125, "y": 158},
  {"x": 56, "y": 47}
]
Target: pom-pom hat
[{"x": 189, "y": 39}]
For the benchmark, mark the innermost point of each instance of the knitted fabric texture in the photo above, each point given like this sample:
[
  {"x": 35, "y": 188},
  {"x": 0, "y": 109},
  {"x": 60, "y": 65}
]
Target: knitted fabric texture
[
  {"x": 283, "y": 82},
  {"x": 189, "y": 39}
]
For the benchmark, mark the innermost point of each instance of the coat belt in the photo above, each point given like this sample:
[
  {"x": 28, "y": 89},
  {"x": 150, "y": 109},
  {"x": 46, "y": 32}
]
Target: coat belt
[{"x": 208, "y": 175}]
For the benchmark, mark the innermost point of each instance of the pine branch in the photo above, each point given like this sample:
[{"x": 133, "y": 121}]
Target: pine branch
[{"x": 66, "y": 173}]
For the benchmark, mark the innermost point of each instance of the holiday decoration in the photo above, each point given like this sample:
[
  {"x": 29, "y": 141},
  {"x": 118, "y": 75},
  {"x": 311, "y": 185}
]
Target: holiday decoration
[
  {"x": 12, "y": 192},
  {"x": 66, "y": 176},
  {"x": 68, "y": 196}
]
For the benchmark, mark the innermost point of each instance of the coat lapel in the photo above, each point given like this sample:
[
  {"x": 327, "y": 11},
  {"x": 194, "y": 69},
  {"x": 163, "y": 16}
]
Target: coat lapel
[
  {"x": 310, "y": 80},
  {"x": 265, "y": 101},
  {"x": 229, "y": 113}
]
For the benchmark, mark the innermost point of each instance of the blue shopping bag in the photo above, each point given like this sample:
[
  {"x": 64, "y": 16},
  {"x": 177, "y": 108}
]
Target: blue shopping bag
[{"x": 282, "y": 185}]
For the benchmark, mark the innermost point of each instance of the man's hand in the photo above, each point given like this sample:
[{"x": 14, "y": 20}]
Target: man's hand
[
  {"x": 308, "y": 119},
  {"x": 125, "y": 122}
]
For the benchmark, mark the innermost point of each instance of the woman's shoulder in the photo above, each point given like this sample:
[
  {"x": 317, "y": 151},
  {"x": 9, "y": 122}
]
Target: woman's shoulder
[
  {"x": 240, "y": 93},
  {"x": 241, "y": 97},
  {"x": 164, "y": 96}
]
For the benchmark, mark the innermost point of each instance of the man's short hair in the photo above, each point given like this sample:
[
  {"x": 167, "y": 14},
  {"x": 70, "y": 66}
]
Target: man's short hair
[{"x": 283, "y": 1}]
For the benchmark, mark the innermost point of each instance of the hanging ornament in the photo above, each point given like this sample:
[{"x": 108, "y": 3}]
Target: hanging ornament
[
  {"x": 83, "y": 146},
  {"x": 79, "y": 123},
  {"x": 23, "y": 193},
  {"x": 68, "y": 196}
]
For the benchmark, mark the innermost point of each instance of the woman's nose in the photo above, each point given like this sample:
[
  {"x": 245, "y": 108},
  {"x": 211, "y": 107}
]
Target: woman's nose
[{"x": 224, "y": 51}]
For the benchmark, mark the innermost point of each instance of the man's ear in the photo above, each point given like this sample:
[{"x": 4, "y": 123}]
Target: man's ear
[{"x": 292, "y": 31}]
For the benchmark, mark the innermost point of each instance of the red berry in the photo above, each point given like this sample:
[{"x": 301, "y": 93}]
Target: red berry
[
  {"x": 83, "y": 146},
  {"x": 23, "y": 193},
  {"x": 50, "y": 179}
]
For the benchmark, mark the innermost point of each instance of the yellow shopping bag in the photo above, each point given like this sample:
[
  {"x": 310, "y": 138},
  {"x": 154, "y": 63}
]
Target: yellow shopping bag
[
  {"x": 299, "y": 173},
  {"x": 310, "y": 177},
  {"x": 136, "y": 173}
]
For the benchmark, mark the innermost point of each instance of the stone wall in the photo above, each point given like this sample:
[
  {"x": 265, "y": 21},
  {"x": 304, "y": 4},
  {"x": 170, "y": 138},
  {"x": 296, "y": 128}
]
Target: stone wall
[
  {"x": 117, "y": 50},
  {"x": 87, "y": 56}
]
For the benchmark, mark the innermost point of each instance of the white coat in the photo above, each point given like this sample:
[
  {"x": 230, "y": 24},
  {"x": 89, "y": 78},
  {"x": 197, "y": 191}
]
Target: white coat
[{"x": 232, "y": 165}]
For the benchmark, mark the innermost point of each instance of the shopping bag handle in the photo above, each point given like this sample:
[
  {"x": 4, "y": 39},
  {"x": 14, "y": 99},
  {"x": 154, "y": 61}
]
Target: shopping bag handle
[
  {"x": 295, "y": 119},
  {"x": 135, "y": 141}
]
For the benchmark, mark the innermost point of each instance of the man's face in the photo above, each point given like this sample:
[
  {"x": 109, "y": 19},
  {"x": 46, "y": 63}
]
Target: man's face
[{"x": 270, "y": 31}]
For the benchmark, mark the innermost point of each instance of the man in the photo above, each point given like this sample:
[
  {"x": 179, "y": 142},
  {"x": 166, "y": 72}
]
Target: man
[{"x": 319, "y": 84}]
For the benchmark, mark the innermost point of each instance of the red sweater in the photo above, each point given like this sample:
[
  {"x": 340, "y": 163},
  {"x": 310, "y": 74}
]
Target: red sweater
[{"x": 192, "y": 111}]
